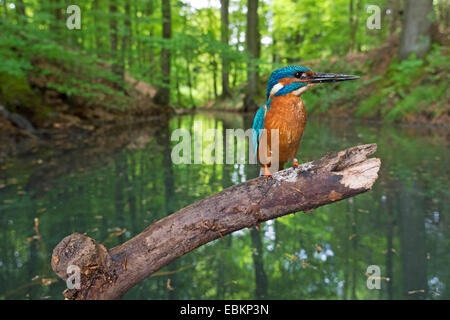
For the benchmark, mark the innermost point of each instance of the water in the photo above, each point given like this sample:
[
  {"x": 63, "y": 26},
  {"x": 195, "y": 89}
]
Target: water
[{"x": 113, "y": 191}]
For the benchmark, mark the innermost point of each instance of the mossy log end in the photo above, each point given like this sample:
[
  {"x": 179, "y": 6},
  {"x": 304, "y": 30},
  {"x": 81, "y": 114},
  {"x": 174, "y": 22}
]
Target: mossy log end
[{"x": 110, "y": 273}]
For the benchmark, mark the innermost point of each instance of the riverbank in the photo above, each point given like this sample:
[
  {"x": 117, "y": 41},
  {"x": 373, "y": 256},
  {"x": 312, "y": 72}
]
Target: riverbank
[
  {"x": 35, "y": 109},
  {"x": 89, "y": 132},
  {"x": 53, "y": 90}
]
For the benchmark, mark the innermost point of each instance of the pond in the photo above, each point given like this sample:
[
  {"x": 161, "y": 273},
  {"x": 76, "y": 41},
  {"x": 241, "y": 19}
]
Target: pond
[{"x": 401, "y": 226}]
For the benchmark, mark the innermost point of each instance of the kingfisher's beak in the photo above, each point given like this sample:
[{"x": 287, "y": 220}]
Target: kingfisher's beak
[{"x": 317, "y": 77}]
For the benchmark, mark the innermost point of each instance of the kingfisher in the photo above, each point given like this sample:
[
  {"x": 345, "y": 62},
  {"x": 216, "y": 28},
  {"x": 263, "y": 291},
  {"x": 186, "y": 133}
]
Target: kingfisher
[{"x": 284, "y": 110}]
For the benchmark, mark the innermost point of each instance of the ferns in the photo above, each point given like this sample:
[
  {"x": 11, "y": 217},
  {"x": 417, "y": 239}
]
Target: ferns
[{"x": 407, "y": 88}]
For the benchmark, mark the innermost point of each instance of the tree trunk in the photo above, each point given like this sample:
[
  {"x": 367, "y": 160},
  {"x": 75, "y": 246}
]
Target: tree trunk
[
  {"x": 109, "y": 274},
  {"x": 20, "y": 9},
  {"x": 113, "y": 28},
  {"x": 126, "y": 39},
  {"x": 57, "y": 13},
  {"x": 214, "y": 73},
  {"x": 238, "y": 44},
  {"x": 353, "y": 22},
  {"x": 162, "y": 97},
  {"x": 151, "y": 54},
  {"x": 189, "y": 78},
  {"x": 177, "y": 84},
  {"x": 416, "y": 35},
  {"x": 252, "y": 40},
  {"x": 396, "y": 8},
  {"x": 117, "y": 67},
  {"x": 5, "y": 7},
  {"x": 97, "y": 32},
  {"x": 140, "y": 55},
  {"x": 275, "y": 57},
  {"x": 224, "y": 39}
]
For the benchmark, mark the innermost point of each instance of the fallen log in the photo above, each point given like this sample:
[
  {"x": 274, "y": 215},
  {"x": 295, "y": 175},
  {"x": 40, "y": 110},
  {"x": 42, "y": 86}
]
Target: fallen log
[{"x": 110, "y": 273}]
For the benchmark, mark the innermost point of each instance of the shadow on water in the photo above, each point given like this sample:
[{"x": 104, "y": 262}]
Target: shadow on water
[{"x": 114, "y": 189}]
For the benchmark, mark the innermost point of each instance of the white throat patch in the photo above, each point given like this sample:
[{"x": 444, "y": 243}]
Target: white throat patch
[
  {"x": 276, "y": 88},
  {"x": 300, "y": 91}
]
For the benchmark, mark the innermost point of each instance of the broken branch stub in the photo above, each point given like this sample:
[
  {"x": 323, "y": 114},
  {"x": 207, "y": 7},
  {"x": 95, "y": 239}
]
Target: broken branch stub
[{"x": 110, "y": 273}]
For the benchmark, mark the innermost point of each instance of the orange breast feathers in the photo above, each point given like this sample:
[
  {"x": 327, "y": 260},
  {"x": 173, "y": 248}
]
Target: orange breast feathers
[{"x": 288, "y": 115}]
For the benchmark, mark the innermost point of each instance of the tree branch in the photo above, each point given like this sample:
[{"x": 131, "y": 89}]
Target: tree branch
[{"x": 110, "y": 273}]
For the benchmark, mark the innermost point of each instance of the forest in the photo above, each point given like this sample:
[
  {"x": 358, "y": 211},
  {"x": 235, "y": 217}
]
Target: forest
[
  {"x": 91, "y": 91},
  {"x": 138, "y": 55}
]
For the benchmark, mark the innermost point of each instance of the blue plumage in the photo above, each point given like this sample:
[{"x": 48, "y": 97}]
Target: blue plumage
[
  {"x": 277, "y": 75},
  {"x": 285, "y": 72},
  {"x": 258, "y": 125},
  {"x": 289, "y": 88}
]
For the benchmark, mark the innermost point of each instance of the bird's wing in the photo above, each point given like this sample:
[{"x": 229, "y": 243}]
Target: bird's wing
[{"x": 258, "y": 125}]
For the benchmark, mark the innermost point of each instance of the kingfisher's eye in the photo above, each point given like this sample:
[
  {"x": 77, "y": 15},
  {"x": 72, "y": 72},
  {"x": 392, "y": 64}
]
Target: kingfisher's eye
[{"x": 298, "y": 74}]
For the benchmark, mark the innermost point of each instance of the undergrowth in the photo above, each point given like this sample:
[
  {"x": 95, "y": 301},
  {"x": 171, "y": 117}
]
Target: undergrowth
[{"x": 406, "y": 89}]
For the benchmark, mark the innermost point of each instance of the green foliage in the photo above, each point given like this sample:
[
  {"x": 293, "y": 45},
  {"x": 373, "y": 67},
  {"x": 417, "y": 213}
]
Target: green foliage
[
  {"x": 85, "y": 62},
  {"x": 411, "y": 86},
  {"x": 324, "y": 98},
  {"x": 27, "y": 52},
  {"x": 417, "y": 100},
  {"x": 407, "y": 88},
  {"x": 16, "y": 93}
]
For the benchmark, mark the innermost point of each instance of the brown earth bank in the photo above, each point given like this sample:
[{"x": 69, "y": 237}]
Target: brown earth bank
[
  {"x": 33, "y": 114},
  {"x": 71, "y": 132}
]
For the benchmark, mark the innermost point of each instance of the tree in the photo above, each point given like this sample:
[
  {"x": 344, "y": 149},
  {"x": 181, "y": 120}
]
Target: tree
[
  {"x": 98, "y": 42},
  {"x": 213, "y": 65},
  {"x": 5, "y": 7},
  {"x": 416, "y": 37},
  {"x": 57, "y": 13},
  {"x": 126, "y": 39},
  {"x": 252, "y": 41},
  {"x": 20, "y": 9},
  {"x": 163, "y": 95},
  {"x": 396, "y": 8},
  {"x": 353, "y": 22},
  {"x": 224, "y": 40},
  {"x": 151, "y": 55},
  {"x": 117, "y": 66}
]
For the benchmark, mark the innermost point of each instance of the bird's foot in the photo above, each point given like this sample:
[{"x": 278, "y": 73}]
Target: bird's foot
[
  {"x": 265, "y": 172},
  {"x": 294, "y": 163}
]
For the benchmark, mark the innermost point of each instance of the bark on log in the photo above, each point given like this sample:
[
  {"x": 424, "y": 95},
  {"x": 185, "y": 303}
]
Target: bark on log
[{"x": 110, "y": 273}]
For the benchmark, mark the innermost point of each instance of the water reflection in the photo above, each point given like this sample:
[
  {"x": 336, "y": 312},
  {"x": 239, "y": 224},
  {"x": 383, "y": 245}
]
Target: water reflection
[{"x": 113, "y": 193}]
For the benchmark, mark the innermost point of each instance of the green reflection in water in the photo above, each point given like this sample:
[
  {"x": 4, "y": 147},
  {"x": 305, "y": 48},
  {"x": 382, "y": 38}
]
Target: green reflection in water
[{"x": 401, "y": 225}]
